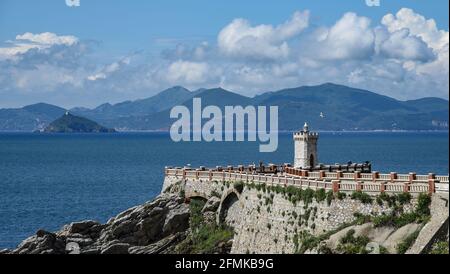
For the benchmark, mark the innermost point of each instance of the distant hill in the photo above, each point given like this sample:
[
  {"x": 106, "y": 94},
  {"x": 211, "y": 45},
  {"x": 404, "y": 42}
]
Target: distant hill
[
  {"x": 161, "y": 120},
  {"x": 29, "y": 118},
  {"x": 69, "y": 123},
  {"x": 336, "y": 107},
  {"x": 163, "y": 100},
  {"x": 325, "y": 107}
]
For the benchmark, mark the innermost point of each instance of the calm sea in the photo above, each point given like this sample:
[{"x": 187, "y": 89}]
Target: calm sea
[{"x": 47, "y": 181}]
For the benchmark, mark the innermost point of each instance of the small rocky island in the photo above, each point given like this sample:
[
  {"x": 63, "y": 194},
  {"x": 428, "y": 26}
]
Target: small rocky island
[{"x": 69, "y": 123}]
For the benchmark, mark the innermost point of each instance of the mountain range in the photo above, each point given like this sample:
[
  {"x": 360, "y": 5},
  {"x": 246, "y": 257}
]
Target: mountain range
[{"x": 325, "y": 107}]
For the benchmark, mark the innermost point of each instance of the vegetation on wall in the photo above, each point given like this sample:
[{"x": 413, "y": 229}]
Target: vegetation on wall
[
  {"x": 408, "y": 242},
  {"x": 239, "y": 186},
  {"x": 349, "y": 244},
  {"x": 204, "y": 237},
  {"x": 440, "y": 248},
  {"x": 398, "y": 218},
  {"x": 304, "y": 240},
  {"x": 362, "y": 196}
]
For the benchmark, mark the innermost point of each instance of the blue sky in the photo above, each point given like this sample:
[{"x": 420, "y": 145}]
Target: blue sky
[
  {"x": 130, "y": 25},
  {"x": 138, "y": 41}
]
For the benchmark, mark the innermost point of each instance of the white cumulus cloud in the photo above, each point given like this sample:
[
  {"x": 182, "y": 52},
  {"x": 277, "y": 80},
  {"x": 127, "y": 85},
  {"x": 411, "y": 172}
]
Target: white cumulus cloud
[
  {"x": 187, "y": 72},
  {"x": 350, "y": 38},
  {"x": 240, "y": 39},
  {"x": 41, "y": 41},
  {"x": 418, "y": 25},
  {"x": 48, "y": 38},
  {"x": 401, "y": 45}
]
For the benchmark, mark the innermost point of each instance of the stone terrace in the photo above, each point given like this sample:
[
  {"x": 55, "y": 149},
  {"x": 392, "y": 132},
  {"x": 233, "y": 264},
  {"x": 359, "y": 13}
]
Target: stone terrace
[{"x": 340, "y": 181}]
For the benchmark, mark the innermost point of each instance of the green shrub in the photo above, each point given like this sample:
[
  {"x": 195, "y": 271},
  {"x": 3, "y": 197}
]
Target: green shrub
[
  {"x": 361, "y": 219},
  {"x": 239, "y": 186},
  {"x": 423, "y": 204},
  {"x": 407, "y": 243},
  {"x": 383, "y": 250},
  {"x": 330, "y": 197},
  {"x": 406, "y": 218},
  {"x": 362, "y": 196},
  {"x": 391, "y": 200},
  {"x": 307, "y": 196},
  {"x": 384, "y": 196},
  {"x": 341, "y": 195},
  {"x": 307, "y": 242},
  {"x": 404, "y": 198},
  {"x": 349, "y": 244},
  {"x": 291, "y": 191},
  {"x": 320, "y": 195},
  {"x": 204, "y": 237},
  {"x": 440, "y": 248},
  {"x": 379, "y": 201}
]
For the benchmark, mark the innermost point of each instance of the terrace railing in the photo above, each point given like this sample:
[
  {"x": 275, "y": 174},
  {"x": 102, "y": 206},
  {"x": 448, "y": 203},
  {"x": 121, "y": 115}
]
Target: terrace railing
[{"x": 338, "y": 181}]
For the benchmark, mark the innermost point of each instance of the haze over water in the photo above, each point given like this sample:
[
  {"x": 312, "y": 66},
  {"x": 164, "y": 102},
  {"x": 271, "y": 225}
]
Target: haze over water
[{"x": 47, "y": 181}]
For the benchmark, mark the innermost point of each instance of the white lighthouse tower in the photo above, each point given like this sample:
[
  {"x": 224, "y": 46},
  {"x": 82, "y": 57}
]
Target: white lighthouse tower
[{"x": 305, "y": 146}]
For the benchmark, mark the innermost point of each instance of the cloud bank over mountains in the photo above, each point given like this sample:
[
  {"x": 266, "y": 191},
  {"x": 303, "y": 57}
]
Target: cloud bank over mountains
[{"x": 404, "y": 56}]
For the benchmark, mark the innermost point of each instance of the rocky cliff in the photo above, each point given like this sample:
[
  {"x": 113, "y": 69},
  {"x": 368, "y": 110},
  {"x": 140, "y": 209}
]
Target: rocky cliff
[
  {"x": 254, "y": 220},
  {"x": 159, "y": 226}
]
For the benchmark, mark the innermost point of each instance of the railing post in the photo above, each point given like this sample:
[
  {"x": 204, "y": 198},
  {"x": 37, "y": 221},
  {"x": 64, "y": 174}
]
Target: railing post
[
  {"x": 305, "y": 173},
  {"x": 335, "y": 186},
  {"x": 358, "y": 186},
  {"x": 357, "y": 175},
  {"x": 382, "y": 187},
  {"x": 431, "y": 186},
  {"x": 431, "y": 176},
  {"x": 406, "y": 187},
  {"x": 393, "y": 176},
  {"x": 375, "y": 175},
  {"x": 321, "y": 174},
  {"x": 412, "y": 177},
  {"x": 339, "y": 174}
]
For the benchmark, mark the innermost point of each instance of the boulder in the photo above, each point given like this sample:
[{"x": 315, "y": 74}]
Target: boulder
[
  {"x": 42, "y": 243},
  {"x": 80, "y": 227},
  {"x": 160, "y": 246},
  {"x": 211, "y": 205},
  {"x": 177, "y": 220},
  {"x": 119, "y": 248}
]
